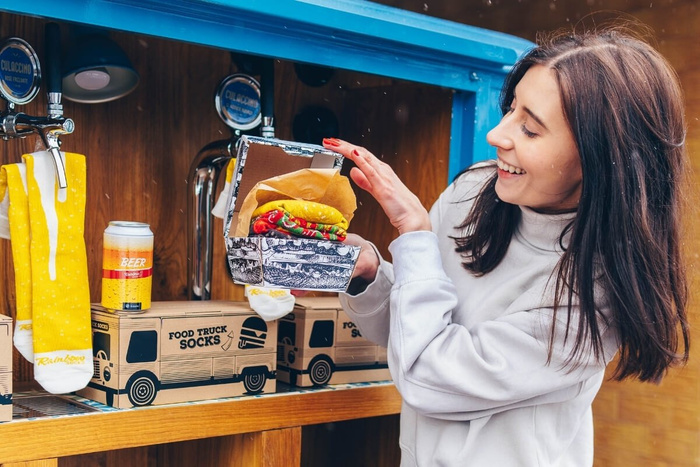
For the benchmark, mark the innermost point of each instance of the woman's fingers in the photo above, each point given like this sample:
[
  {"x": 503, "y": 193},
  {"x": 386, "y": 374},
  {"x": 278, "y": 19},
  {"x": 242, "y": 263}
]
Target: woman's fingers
[
  {"x": 402, "y": 207},
  {"x": 360, "y": 180},
  {"x": 368, "y": 261}
]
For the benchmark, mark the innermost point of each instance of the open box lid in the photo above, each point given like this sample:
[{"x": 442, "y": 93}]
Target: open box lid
[{"x": 262, "y": 158}]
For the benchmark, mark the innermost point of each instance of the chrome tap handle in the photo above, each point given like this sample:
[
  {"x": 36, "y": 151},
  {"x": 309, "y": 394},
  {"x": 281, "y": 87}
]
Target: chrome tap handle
[
  {"x": 53, "y": 145},
  {"x": 20, "y": 125}
]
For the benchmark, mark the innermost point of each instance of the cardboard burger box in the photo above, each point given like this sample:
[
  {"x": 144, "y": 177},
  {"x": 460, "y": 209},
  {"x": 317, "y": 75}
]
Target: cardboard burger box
[
  {"x": 318, "y": 344},
  {"x": 180, "y": 351},
  {"x": 5, "y": 368},
  {"x": 285, "y": 263}
]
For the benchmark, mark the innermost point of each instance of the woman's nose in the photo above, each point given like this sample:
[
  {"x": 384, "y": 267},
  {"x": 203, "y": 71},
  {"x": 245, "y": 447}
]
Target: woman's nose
[{"x": 498, "y": 136}]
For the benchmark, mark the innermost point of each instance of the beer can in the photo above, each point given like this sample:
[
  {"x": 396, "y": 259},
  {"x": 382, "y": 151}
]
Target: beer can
[{"x": 127, "y": 266}]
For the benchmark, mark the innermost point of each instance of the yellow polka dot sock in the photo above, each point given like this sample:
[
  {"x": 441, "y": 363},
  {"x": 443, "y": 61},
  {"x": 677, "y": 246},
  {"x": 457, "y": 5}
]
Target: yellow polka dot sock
[
  {"x": 13, "y": 186},
  {"x": 60, "y": 288}
]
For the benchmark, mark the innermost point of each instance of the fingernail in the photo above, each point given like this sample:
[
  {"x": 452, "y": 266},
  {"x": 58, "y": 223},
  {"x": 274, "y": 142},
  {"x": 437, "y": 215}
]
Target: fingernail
[
  {"x": 331, "y": 141},
  {"x": 355, "y": 153}
]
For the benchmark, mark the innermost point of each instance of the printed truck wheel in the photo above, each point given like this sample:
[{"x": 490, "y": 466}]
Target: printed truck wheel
[
  {"x": 320, "y": 371},
  {"x": 254, "y": 382},
  {"x": 142, "y": 389}
]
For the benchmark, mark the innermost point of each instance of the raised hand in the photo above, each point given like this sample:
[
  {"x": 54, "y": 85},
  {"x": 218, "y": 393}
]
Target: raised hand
[{"x": 402, "y": 207}]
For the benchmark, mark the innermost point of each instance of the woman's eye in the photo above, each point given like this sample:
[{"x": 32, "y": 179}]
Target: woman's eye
[{"x": 527, "y": 132}]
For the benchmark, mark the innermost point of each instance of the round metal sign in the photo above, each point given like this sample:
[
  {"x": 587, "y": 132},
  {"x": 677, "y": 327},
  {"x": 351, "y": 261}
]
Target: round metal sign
[
  {"x": 20, "y": 72},
  {"x": 237, "y": 101}
]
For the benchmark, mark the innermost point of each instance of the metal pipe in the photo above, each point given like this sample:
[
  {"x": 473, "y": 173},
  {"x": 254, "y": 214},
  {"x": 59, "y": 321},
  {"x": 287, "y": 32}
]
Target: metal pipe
[
  {"x": 202, "y": 182},
  {"x": 203, "y": 178}
]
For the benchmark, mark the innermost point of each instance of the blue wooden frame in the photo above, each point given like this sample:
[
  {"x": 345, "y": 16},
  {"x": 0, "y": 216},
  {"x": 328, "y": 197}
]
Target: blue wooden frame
[{"x": 350, "y": 34}]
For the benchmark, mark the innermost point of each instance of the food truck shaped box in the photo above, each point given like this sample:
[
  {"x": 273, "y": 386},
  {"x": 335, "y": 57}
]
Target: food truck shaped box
[
  {"x": 5, "y": 368},
  {"x": 180, "y": 351},
  {"x": 317, "y": 344}
]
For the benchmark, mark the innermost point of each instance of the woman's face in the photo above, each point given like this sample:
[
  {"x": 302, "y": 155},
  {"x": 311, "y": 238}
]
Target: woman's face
[{"x": 538, "y": 162}]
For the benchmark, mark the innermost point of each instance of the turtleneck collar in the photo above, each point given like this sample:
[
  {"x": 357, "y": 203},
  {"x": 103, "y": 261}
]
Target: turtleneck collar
[{"x": 542, "y": 231}]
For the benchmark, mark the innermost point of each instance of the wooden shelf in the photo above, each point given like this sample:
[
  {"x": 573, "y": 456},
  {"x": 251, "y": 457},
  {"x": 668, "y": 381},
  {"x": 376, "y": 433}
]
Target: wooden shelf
[{"x": 109, "y": 429}]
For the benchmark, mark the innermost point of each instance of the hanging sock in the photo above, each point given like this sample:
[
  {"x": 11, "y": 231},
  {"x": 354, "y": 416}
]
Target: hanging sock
[
  {"x": 14, "y": 224},
  {"x": 60, "y": 292},
  {"x": 57, "y": 266},
  {"x": 269, "y": 303},
  {"x": 221, "y": 206}
]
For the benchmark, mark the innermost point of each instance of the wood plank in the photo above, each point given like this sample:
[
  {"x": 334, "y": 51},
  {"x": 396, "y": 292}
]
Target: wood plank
[
  {"x": 37, "y": 463},
  {"x": 261, "y": 449},
  {"x": 65, "y": 436}
]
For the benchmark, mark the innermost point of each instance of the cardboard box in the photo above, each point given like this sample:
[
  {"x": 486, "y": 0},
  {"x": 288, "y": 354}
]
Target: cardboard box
[
  {"x": 5, "y": 368},
  {"x": 294, "y": 263},
  {"x": 180, "y": 351},
  {"x": 318, "y": 344}
]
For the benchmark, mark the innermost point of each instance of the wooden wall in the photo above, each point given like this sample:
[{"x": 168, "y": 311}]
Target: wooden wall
[
  {"x": 139, "y": 150},
  {"x": 636, "y": 424}
]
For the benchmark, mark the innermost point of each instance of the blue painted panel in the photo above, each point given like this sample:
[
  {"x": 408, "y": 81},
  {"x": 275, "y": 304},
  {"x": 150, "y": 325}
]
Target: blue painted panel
[{"x": 348, "y": 34}]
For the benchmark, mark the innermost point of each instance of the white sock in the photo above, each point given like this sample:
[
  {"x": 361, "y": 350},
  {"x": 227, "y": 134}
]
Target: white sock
[{"x": 270, "y": 304}]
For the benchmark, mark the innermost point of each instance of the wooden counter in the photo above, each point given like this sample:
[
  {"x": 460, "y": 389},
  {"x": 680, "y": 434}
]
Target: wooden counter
[{"x": 273, "y": 423}]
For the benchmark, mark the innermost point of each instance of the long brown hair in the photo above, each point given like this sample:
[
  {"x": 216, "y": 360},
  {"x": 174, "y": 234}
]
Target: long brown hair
[{"x": 624, "y": 105}]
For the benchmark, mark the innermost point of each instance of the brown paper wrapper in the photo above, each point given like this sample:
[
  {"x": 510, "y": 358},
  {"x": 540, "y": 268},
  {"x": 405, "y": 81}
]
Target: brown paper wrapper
[{"x": 325, "y": 186}]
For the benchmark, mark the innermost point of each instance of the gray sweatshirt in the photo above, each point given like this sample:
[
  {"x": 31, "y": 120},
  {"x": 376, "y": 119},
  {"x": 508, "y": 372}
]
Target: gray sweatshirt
[{"x": 469, "y": 354}]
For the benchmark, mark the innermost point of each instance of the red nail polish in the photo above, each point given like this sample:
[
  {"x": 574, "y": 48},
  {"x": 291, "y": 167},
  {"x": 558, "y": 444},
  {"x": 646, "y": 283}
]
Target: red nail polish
[
  {"x": 331, "y": 141},
  {"x": 355, "y": 153}
]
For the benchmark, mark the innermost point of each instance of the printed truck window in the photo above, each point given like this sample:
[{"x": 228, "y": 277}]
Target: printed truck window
[
  {"x": 143, "y": 347},
  {"x": 322, "y": 334},
  {"x": 286, "y": 333},
  {"x": 100, "y": 345}
]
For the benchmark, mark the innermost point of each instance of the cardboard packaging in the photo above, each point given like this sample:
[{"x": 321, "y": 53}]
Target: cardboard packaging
[
  {"x": 5, "y": 368},
  {"x": 318, "y": 344},
  {"x": 285, "y": 263},
  {"x": 180, "y": 351}
]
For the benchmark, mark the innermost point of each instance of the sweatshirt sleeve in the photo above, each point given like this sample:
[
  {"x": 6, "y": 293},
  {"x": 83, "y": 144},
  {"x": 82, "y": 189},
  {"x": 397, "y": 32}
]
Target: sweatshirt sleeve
[
  {"x": 446, "y": 370},
  {"x": 369, "y": 304},
  {"x": 369, "y": 309}
]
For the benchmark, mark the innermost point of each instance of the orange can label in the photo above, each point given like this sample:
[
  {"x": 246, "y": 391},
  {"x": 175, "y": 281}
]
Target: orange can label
[{"x": 127, "y": 268}]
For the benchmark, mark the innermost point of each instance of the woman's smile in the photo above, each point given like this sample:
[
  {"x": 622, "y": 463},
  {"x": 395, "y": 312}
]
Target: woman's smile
[{"x": 510, "y": 169}]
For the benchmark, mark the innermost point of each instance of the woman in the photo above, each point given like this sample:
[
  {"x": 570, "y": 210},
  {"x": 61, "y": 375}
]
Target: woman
[{"x": 505, "y": 303}]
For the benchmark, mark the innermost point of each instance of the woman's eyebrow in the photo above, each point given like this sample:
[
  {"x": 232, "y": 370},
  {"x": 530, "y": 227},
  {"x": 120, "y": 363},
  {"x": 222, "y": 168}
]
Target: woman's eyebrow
[{"x": 535, "y": 118}]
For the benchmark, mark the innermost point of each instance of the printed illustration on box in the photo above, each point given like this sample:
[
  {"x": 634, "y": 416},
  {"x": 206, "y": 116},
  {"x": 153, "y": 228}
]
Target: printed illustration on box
[
  {"x": 292, "y": 252},
  {"x": 318, "y": 344},
  {"x": 181, "y": 351}
]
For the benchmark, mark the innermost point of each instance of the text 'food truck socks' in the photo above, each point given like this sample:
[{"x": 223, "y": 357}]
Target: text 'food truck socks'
[{"x": 60, "y": 298}]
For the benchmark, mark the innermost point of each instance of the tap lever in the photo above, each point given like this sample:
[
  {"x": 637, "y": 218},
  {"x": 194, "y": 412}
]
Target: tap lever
[
  {"x": 53, "y": 145},
  {"x": 52, "y": 37},
  {"x": 19, "y": 125},
  {"x": 60, "y": 167}
]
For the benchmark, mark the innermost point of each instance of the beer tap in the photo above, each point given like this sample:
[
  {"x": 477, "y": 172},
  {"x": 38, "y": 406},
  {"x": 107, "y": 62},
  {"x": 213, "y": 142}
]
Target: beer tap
[{"x": 20, "y": 84}]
